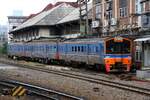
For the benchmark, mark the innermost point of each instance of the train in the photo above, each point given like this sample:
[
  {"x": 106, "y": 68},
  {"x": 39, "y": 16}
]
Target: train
[{"x": 110, "y": 54}]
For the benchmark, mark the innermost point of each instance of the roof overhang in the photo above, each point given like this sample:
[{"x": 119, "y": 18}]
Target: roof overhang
[{"x": 142, "y": 39}]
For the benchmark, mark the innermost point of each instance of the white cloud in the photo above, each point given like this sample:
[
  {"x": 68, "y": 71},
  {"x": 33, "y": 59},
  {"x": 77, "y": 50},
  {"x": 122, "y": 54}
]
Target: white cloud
[{"x": 27, "y": 6}]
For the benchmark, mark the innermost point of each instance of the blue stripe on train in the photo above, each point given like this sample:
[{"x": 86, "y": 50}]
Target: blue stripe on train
[{"x": 117, "y": 55}]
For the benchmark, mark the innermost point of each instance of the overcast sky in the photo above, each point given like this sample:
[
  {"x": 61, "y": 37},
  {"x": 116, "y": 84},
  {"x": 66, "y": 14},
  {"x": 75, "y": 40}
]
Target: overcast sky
[{"x": 8, "y": 7}]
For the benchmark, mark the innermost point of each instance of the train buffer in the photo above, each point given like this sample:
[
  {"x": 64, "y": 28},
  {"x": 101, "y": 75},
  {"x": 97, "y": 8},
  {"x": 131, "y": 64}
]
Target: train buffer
[{"x": 18, "y": 91}]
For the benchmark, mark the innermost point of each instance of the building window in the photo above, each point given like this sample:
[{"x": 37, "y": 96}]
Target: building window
[
  {"x": 14, "y": 27},
  {"x": 122, "y": 3},
  {"x": 97, "y": 1},
  {"x": 109, "y": 5},
  {"x": 109, "y": 9},
  {"x": 136, "y": 8},
  {"x": 123, "y": 12},
  {"x": 109, "y": 14},
  {"x": 145, "y": 20},
  {"x": 143, "y": 6},
  {"x": 98, "y": 12},
  {"x": 123, "y": 8}
]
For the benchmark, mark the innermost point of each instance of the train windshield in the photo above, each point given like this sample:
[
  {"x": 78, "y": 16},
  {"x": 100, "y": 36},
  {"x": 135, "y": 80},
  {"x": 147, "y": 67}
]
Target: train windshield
[{"x": 113, "y": 47}]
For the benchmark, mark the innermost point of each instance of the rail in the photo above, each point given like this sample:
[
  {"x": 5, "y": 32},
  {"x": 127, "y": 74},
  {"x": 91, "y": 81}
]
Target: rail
[
  {"x": 85, "y": 77},
  {"x": 40, "y": 91}
]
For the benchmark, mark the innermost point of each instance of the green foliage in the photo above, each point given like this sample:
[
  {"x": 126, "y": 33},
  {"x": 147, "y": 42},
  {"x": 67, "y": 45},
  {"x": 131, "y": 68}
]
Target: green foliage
[{"x": 3, "y": 49}]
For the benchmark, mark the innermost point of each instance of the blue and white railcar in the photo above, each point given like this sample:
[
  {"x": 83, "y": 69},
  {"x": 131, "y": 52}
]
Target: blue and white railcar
[
  {"x": 15, "y": 49},
  {"x": 89, "y": 51},
  {"x": 113, "y": 53}
]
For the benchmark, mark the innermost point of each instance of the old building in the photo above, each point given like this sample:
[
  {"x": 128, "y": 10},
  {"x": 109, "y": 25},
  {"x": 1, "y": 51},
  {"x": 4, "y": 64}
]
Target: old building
[
  {"x": 143, "y": 41},
  {"x": 15, "y": 21},
  {"x": 43, "y": 24},
  {"x": 116, "y": 17},
  {"x": 54, "y": 20}
]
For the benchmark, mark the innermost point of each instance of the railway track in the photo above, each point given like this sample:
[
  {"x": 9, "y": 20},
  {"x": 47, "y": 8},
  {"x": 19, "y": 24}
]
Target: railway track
[
  {"x": 40, "y": 91},
  {"x": 89, "y": 78}
]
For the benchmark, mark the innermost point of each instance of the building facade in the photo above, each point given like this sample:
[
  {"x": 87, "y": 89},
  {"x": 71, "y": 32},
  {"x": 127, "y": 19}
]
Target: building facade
[
  {"x": 15, "y": 21},
  {"x": 145, "y": 15},
  {"x": 42, "y": 24},
  {"x": 59, "y": 19},
  {"x": 116, "y": 16},
  {"x": 143, "y": 42}
]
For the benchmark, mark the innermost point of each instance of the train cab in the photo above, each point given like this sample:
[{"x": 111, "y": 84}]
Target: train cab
[{"x": 118, "y": 54}]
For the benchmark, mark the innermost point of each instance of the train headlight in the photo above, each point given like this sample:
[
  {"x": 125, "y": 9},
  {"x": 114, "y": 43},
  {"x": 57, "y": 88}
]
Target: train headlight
[
  {"x": 127, "y": 61},
  {"x": 109, "y": 61}
]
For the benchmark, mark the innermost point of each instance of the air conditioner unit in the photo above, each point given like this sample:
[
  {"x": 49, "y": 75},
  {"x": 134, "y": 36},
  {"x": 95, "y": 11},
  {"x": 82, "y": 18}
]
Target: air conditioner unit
[
  {"x": 108, "y": 0},
  {"x": 113, "y": 21},
  {"x": 145, "y": 20},
  {"x": 95, "y": 24}
]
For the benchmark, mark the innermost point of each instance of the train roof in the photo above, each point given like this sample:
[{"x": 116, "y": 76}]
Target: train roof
[
  {"x": 65, "y": 40},
  {"x": 84, "y": 40}
]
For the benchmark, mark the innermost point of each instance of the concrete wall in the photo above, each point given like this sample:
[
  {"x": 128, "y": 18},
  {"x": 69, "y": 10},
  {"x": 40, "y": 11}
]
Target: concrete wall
[{"x": 44, "y": 32}]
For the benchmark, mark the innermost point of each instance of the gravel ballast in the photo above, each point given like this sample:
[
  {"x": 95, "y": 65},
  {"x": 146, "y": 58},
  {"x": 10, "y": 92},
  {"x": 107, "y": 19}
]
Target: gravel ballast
[{"x": 87, "y": 90}]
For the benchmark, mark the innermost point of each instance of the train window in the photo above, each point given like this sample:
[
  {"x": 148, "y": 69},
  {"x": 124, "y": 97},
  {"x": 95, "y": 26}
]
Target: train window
[
  {"x": 113, "y": 47},
  {"x": 75, "y": 49},
  {"x": 82, "y": 49},
  {"x": 78, "y": 48},
  {"x": 63, "y": 49},
  {"x": 85, "y": 48},
  {"x": 89, "y": 49},
  {"x": 96, "y": 48},
  {"x": 40, "y": 48},
  {"x": 72, "y": 48}
]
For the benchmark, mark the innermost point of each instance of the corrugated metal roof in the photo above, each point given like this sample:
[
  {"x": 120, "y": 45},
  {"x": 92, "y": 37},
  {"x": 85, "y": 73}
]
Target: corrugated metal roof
[
  {"x": 57, "y": 15},
  {"x": 74, "y": 15},
  {"x": 49, "y": 17}
]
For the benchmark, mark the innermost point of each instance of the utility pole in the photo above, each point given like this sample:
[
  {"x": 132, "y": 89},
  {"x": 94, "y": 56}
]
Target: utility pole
[
  {"x": 83, "y": 4},
  {"x": 87, "y": 19}
]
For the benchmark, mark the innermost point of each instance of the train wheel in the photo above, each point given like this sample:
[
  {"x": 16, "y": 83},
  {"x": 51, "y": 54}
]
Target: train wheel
[
  {"x": 100, "y": 67},
  {"x": 97, "y": 67},
  {"x": 14, "y": 57},
  {"x": 46, "y": 61}
]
